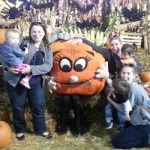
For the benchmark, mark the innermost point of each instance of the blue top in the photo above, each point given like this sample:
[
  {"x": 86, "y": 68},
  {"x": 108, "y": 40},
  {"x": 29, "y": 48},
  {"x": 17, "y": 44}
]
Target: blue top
[
  {"x": 138, "y": 96},
  {"x": 12, "y": 54}
]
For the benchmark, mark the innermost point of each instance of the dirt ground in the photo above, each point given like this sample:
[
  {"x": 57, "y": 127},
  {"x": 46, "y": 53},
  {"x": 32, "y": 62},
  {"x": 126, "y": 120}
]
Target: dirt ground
[{"x": 96, "y": 138}]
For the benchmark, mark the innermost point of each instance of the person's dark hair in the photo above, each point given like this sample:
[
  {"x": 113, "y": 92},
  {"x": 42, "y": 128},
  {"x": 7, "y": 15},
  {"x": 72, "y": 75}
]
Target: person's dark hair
[
  {"x": 128, "y": 48},
  {"x": 132, "y": 66},
  {"x": 45, "y": 38},
  {"x": 121, "y": 86}
]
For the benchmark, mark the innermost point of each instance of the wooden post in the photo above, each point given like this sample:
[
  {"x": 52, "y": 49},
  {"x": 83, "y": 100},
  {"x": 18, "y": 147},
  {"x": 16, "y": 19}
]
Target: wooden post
[
  {"x": 148, "y": 41},
  {"x": 148, "y": 6},
  {"x": 145, "y": 42}
]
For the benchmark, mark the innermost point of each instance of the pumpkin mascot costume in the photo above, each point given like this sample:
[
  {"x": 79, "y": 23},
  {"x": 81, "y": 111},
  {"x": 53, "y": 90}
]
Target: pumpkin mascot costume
[{"x": 73, "y": 72}]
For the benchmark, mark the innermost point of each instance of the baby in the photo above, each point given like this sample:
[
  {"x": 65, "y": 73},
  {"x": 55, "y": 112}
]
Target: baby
[{"x": 13, "y": 55}]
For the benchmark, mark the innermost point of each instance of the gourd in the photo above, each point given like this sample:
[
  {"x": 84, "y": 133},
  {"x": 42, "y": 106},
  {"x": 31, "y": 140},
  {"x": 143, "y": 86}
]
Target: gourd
[
  {"x": 2, "y": 35},
  {"x": 5, "y": 134},
  {"x": 145, "y": 76}
]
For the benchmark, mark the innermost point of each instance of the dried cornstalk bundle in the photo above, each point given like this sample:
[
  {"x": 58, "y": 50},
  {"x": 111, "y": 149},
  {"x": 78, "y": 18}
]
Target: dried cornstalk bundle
[
  {"x": 23, "y": 27},
  {"x": 47, "y": 16}
]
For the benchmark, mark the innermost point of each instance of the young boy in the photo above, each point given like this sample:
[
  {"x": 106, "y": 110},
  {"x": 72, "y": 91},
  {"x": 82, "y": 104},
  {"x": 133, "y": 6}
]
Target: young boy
[
  {"x": 127, "y": 54},
  {"x": 118, "y": 94},
  {"x": 13, "y": 55},
  {"x": 127, "y": 58}
]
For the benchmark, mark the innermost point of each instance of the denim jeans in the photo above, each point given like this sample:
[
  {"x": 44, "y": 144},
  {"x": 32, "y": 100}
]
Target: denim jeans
[
  {"x": 18, "y": 98},
  {"x": 112, "y": 114},
  {"x": 134, "y": 136}
]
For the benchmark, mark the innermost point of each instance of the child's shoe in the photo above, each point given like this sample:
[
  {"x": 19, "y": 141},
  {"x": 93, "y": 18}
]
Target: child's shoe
[
  {"x": 109, "y": 125},
  {"x": 25, "y": 83}
]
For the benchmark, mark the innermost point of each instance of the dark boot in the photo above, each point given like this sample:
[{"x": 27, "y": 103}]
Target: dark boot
[{"x": 63, "y": 123}]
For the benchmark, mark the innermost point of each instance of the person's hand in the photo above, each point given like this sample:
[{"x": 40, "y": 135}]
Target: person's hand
[
  {"x": 75, "y": 41},
  {"x": 12, "y": 70},
  {"x": 26, "y": 69},
  {"x": 127, "y": 117},
  {"x": 51, "y": 85},
  {"x": 102, "y": 72}
]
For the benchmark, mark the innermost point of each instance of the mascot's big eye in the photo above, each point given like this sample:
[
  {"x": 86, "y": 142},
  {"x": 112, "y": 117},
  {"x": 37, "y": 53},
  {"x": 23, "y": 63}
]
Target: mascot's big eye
[
  {"x": 80, "y": 64},
  {"x": 65, "y": 65}
]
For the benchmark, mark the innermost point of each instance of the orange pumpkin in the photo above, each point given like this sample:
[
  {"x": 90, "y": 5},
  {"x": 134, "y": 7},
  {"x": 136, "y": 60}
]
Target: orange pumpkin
[
  {"x": 5, "y": 134},
  {"x": 2, "y": 35},
  {"x": 74, "y": 67},
  {"x": 145, "y": 76}
]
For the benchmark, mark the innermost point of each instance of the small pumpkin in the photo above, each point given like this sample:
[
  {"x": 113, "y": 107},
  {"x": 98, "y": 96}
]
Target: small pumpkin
[
  {"x": 145, "y": 76},
  {"x": 5, "y": 134},
  {"x": 2, "y": 35},
  {"x": 74, "y": 67}
]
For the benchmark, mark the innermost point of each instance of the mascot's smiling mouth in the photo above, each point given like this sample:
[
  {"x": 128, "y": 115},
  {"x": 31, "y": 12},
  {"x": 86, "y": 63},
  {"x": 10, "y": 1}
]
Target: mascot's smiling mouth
[{"x": 76, "y": 84}]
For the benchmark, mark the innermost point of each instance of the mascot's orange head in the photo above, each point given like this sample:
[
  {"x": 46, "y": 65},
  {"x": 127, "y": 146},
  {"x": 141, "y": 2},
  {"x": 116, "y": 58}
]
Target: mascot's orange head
[{"x": 74, "y": 68}]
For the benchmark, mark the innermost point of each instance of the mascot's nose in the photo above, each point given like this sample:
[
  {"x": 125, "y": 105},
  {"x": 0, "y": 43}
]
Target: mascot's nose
[{"x": 73, "y": 79}]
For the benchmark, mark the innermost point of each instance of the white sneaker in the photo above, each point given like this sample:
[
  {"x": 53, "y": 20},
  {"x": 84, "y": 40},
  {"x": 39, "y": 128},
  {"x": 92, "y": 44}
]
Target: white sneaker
[{"x": 109, "y": 125}]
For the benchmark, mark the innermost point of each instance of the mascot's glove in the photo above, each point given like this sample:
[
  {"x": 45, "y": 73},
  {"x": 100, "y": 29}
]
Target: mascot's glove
[
  {"x": 102, "y": 72},
  {"x": 51, "y": 85}
]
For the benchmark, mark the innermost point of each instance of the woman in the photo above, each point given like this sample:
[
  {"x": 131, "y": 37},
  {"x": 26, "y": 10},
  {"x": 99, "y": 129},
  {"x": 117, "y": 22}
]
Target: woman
[
  {"x": 112, "y": 55},
  {"x": 39, "y": 60},
  {"x": 138, "y": 133}
]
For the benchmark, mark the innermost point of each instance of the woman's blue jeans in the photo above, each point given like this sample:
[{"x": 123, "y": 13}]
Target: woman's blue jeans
[
  {"x": 19, "y": 96},
  {"x": 134, "y": 136}
]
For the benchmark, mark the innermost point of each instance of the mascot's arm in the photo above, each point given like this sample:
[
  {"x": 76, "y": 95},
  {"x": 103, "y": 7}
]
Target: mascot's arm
[{"x": 103, "y": 51}]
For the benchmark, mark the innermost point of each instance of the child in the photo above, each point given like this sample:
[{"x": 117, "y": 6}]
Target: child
[
  {"x": 13, "y": 56},
  {"x": 127, "y": 54},
  {"x": 118, "y": 94},
  {"x": 127, "y": 58}
]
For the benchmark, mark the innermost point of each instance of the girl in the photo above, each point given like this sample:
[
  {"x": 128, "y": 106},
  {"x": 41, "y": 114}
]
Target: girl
[{"x": 138, "y": 134}]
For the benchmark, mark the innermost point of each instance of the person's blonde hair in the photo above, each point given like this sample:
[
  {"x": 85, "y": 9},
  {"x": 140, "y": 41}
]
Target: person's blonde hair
[{"x": 9, "y": 32}]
